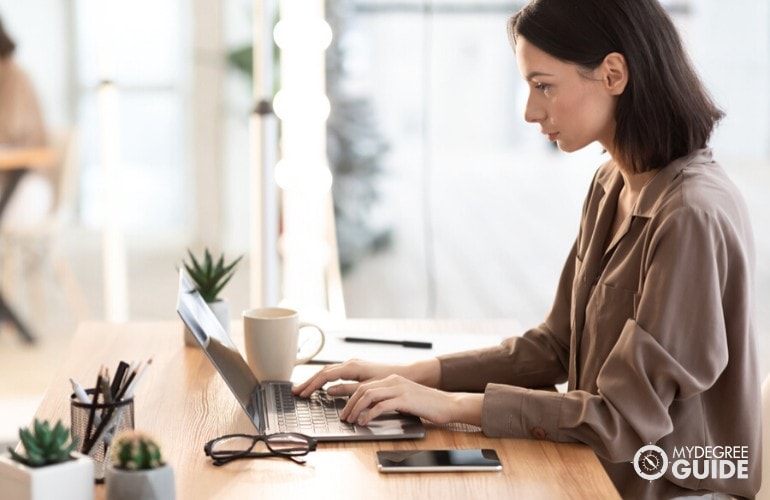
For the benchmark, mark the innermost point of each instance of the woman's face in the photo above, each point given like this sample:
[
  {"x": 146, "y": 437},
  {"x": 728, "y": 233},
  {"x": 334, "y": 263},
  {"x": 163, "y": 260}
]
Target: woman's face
[{"x": 572, "y": 107}]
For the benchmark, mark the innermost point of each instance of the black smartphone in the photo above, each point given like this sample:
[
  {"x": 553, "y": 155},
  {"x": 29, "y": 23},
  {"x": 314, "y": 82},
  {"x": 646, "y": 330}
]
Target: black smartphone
[{"x": 438, "y": 460}]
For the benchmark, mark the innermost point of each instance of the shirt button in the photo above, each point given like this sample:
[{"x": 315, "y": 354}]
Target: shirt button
[{"x": 537, "y": 433}]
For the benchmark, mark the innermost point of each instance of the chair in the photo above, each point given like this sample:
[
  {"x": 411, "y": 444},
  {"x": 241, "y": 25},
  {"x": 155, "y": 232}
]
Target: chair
[
  {"x": 32, "y": 248},
  {"x": 764, "y": 491}
]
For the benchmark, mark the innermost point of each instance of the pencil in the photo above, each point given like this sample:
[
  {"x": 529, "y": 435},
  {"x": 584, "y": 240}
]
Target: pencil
[
  {"x": 131, "y": 388},
  {"x": 120, "y": 372},
  {"x": 127, "y": 383},
  {"x": 92, "y": 411}
]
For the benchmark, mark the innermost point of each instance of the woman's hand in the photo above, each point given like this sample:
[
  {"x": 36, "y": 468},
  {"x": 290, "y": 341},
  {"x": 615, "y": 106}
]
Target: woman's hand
[
  {"x": 375, "y": 389},
  {"x": 425, "y": 372},
  {"x": 396, "y": 393},
  {"x": 354, "y": 370}
]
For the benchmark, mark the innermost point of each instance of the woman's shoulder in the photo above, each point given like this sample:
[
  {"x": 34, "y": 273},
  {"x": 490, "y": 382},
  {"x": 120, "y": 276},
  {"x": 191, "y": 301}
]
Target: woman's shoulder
[
  {"x": 698, "y": 186},
  {"x": 701, "y": 181}
]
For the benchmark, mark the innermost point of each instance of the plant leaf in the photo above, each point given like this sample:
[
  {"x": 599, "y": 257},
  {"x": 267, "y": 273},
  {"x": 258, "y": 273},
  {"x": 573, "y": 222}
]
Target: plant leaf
[
  {"x": 207, "y": 262},
  {"x": 44, "y": 435},
  {"x": 197, "y": 270},
  {"x": 60, "y": 435},
  {"x": 29, "y": 442},
  {"x": 210, "y": 275},
  {"x": 16, "y": 456},
  {"x": 35, "y": 459}
]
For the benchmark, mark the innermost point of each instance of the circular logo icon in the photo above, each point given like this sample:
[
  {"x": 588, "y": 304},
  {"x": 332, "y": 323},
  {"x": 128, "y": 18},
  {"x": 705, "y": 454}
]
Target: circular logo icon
[{"x": 650, "y": 462}]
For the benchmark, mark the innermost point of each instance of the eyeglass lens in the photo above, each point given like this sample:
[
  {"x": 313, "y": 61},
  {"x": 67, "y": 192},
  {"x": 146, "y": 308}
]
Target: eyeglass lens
[{"x": 288, "y": 444}]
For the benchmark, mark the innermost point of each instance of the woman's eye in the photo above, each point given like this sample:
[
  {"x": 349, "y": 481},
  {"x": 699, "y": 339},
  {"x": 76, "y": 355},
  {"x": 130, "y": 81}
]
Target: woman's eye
[{"x": 542, "y": 86}]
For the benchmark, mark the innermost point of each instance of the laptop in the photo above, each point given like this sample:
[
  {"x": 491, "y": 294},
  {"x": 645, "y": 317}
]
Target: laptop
[{"x": 271, "y": 406}]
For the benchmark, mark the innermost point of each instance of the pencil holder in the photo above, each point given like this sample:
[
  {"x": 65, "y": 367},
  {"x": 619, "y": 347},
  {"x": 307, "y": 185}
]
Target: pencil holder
[{"x": 94, "y": 425}]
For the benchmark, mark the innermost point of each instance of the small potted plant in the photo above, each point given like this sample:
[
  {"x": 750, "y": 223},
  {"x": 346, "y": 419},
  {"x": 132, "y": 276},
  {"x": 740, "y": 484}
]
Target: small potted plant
[
  {"x": 210, "y": 277},
  {"x": 47, "y": 467},
  {"x": 137, "y": 470}
]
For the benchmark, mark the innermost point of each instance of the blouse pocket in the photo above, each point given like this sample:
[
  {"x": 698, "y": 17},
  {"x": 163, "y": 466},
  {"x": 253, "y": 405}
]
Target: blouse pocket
[{"x": 606, "y": 314}]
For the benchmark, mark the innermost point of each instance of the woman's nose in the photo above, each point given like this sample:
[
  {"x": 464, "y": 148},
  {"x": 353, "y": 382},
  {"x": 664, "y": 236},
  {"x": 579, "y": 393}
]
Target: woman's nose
[{"x": 533, "y": 113}]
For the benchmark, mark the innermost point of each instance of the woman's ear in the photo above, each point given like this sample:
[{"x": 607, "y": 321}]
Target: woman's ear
[{"x": 615, "y": 73}]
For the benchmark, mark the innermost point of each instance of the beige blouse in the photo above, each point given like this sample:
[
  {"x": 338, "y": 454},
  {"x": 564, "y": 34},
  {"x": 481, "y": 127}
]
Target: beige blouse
[
  {"x": 654, "y": 335},
  {"x": 21, "y": 120}
]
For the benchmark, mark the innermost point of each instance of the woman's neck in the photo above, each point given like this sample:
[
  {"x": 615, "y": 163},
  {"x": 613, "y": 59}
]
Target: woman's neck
[{"x": 633, "y": 183}]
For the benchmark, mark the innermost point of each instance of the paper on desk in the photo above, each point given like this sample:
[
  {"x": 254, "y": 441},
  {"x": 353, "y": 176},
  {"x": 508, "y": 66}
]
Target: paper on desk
[{"x": 336, "y": 349}]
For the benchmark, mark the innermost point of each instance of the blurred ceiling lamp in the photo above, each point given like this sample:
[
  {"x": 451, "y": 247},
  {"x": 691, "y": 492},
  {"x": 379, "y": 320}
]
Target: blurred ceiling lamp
[{"x": 303, "y": 173}]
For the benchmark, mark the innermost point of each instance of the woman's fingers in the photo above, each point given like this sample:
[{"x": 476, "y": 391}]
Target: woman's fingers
[
  {"x": 342, "y": 389},
  {"x": 393, "y": 393},
  {"x": 316, "y": 382},
  {"x": 349, "y": 370},
  {"x": 365, "y": 399}
]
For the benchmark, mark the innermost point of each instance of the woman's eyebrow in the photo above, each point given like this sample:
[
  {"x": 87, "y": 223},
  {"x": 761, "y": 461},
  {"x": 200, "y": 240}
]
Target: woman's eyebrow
[{"x": 536, "y": 74}]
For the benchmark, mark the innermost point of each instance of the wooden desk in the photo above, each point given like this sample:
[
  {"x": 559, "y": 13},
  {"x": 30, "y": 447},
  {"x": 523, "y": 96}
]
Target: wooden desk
[
  {"x": 184, "y": 403},
  {"x": 12, "y": 158}
]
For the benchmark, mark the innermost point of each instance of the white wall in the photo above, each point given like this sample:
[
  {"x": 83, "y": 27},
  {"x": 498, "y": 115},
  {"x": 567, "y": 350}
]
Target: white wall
[{"x": 730, "y": 44}]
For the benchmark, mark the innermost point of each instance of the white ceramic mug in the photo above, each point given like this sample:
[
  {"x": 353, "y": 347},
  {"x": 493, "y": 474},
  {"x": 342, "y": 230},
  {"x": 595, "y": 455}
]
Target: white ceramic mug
[{"x": 270, "y": 335}]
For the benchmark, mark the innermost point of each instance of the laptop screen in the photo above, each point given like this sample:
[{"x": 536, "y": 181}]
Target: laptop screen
[{"x": 216, "y": 343}]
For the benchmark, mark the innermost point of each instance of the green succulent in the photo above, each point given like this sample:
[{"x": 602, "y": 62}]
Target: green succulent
[
  {"x": 135, "y": 450},
  {"x": 210, "y": 276},
  {"x": 43, "y": 445}
]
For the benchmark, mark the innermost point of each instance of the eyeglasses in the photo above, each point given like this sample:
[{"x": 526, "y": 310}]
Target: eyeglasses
[{"x": 289, "y": 445}]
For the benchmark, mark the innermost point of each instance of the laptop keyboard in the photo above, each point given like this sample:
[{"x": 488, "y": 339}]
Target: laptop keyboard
[{"x": 316, "y": 415}]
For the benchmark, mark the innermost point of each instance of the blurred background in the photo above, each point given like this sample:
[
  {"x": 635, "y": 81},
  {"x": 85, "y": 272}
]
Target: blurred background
[{"x": 446, "y": 203}]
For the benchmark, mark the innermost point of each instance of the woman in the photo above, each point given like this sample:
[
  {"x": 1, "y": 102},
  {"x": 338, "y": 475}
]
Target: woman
[
  {"x": 21, "y": 122},
  {"x": 652, "y": 324},
  {"x": 22, "y": 125}
]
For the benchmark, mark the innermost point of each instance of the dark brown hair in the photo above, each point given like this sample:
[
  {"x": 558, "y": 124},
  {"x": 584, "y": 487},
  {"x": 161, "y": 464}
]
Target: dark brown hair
[
  {"x": 665, "y": 111},
  {"x": 7, "y": 45}
]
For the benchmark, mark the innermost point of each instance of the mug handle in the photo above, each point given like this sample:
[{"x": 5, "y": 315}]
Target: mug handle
[{"x": 304, "y": 360}]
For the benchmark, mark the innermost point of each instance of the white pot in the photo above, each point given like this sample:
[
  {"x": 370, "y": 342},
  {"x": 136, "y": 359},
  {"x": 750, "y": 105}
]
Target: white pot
[
  {"x": 221, "y": 309},
  {"x": 70, "y": 480},
  {"x": 150, "y": 484}
]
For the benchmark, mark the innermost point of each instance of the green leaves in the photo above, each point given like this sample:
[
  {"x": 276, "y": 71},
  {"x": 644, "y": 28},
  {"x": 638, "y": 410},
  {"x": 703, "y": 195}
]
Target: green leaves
[
  {"x": 210, "y": 277},
  {"x": 43, "y": 445}
]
